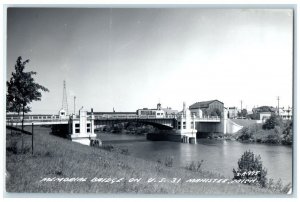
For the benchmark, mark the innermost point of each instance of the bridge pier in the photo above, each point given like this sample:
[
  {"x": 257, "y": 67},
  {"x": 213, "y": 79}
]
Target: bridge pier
[
  {"x": 186, "y": 126},
  {"x": 81, "y": 129}
]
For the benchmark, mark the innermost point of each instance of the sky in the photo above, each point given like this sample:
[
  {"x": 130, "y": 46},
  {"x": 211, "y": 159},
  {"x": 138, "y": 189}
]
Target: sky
[{"x": 131, "y": 58}]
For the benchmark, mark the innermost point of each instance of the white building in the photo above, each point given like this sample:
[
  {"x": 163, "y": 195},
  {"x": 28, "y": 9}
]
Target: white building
[
  {"x": 157, "y": 113},
  {"x": 263, "y": 116},
  {"x": 286, "y": 114},
  {"x": 232, "y": 112}
]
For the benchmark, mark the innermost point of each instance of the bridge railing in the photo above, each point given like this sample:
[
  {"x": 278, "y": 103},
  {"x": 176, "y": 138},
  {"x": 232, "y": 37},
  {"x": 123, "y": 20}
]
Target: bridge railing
[
  {"x": 56, "y": 118},
  {"x": 209, "y": 118},
  {"x": 108, "y": 116},
  {"x": 34, "y": 118}
]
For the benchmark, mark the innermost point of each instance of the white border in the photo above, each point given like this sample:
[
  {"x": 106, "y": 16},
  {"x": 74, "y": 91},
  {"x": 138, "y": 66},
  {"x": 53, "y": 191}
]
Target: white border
[{"x": 105, "y": 3}]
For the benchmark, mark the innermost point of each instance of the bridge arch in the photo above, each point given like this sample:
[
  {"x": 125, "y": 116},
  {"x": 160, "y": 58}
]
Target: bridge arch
[{"x": 159, "y": 124}]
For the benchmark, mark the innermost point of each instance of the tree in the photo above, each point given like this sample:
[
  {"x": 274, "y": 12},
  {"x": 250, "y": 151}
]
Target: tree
[
  {"x": 22, "y": 90},
  {"x": 288, "y": 133},
  {"x": 273, "y": 121},
  {"x": 248, "y": 163},
  {"x": 243, "y": 113}
]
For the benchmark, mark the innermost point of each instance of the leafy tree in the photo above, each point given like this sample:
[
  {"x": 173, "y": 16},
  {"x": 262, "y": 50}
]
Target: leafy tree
[
  {"x": 273, "y": 121},
  {"x": 246, "y": 134},
  {"x": 22, "y": 90},
  {"x": 250, "y": 162},
  {"x": 243, "y": 113},
  {"x": 288, "y": 133}
]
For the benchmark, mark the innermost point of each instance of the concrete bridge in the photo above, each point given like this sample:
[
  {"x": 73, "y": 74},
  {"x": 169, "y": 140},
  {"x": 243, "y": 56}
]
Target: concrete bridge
[
  {"x": 167, "y": 122},
  {"x": 183, "y": 126}
]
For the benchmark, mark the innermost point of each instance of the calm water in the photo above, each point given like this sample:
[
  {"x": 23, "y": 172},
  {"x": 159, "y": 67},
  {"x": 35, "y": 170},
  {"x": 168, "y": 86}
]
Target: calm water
[{"x": 220, "y": 156}]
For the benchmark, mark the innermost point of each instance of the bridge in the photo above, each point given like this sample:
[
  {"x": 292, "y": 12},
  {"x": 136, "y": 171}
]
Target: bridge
[
  {"x": 80, "y": 128},
  {"x": 167, "y": 122}
]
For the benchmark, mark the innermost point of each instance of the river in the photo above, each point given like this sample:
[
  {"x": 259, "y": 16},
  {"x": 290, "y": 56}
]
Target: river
[{"x": 219, "y": 156}]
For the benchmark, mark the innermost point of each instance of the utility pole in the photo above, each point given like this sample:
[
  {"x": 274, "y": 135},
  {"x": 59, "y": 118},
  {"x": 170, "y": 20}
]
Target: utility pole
[
  {"x": 241, "y": 105},
  {"x": 32, "y": 139},
  {"x": 65, "y": 100},
  {"x": 74, "y": 105},
  {"x": 278, "y": 105}
]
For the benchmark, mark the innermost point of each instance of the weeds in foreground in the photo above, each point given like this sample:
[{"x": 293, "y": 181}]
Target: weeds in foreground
[
  {"x": 13, "y": 148},
  {"x": 194, "y": 166},
  {"x": 108, "y": 147},
  {"x": 169, "y": 161},
  {"x": 278, "y": 186},
  {"x": 112, "y": 148}
]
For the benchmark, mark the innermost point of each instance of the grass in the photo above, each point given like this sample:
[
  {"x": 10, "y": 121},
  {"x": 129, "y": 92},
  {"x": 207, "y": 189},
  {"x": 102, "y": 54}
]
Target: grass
[{"x": 55, "y": 157}]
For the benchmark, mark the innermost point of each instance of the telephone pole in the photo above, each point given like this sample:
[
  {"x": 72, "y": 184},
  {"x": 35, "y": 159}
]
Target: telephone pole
[
  {"x": 241, "y": 105},
  {"x": 74, "y": 105},
  {"x": 64, "y": 100}
]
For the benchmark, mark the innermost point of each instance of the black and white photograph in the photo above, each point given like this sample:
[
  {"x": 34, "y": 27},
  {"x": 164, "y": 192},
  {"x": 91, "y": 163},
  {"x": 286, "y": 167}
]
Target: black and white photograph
[{"x": 149, "y": 100}]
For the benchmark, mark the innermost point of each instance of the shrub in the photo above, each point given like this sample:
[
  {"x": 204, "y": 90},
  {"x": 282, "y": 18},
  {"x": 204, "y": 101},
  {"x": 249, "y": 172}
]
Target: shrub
[
  {"x": 288, "y": 133},
  {"x": 250, "y": 162},
  {"x": 245, "y": 134},
  {"x": 272, "y": 122},
  {"x": 278, "y": 186}
]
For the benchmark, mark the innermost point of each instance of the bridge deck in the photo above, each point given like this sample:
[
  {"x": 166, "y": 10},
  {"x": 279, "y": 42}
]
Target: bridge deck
[{"x": 54, "y": 120}]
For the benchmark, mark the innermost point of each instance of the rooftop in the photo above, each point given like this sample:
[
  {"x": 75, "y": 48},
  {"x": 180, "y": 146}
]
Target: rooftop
[{"x": 204, "y": 104}]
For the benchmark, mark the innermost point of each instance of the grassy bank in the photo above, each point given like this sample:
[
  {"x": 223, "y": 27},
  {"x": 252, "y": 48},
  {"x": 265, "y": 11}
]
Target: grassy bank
[
  {"x": 56, "y": 158},
  {"x": 280, "y": 134}
]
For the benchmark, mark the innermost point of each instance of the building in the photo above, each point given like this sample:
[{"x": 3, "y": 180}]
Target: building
[
  {"x": 207, "y": 108},
  {"x": 232, "y": 112},
  {"x": 170, "y": 112},
  {"x": 158, "y": 112},
  {"x": 263, "y": 116},
  {"x": 264, "y": 109},
  {"x": 286, "y": 114}
]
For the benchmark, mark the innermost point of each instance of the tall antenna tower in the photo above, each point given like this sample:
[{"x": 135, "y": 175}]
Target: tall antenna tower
[{"x": 65, "y": 100}]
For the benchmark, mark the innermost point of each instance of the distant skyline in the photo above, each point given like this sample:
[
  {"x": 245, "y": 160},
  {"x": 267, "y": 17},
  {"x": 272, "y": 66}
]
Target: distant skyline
[{"x": 131, "y": 58}]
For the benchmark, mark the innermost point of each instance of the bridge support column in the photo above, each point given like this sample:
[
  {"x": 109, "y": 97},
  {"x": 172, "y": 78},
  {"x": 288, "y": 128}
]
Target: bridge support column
[
  {"x": 82, "y": 129},
  {"x": 187, "y": 130},
  {"x": 224, "y": 121}
]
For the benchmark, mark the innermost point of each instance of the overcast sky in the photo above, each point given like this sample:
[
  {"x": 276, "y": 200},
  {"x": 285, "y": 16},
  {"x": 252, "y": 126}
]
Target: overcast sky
[{"x": 133, "y": 58}]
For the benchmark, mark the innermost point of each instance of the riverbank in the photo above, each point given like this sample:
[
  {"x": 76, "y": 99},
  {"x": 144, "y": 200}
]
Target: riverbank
[
  {"x": 56, "y": 159},
  {"x": 281, "y": 134}
]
